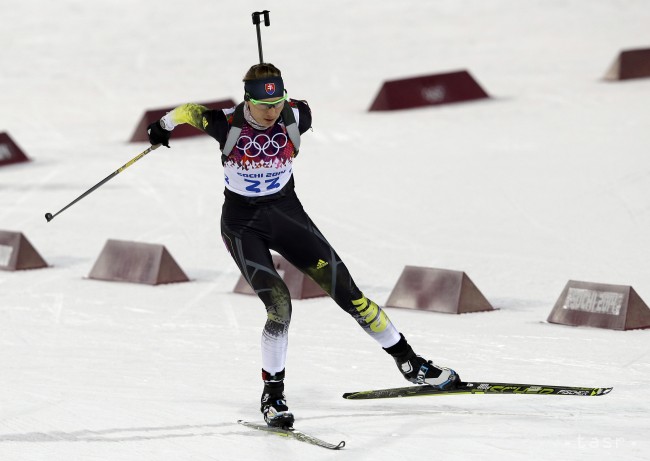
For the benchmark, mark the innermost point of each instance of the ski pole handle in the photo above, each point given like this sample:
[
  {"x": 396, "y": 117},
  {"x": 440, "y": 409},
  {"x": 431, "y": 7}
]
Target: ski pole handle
[{"x": 256, "y": 21}]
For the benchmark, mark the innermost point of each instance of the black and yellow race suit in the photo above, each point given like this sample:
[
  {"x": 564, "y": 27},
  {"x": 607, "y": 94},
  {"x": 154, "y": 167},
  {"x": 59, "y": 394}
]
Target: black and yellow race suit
[{"x": 261, "y": 212}]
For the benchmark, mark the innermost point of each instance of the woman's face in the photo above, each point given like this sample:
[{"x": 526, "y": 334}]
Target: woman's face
[{"x": 266, "y": 111}]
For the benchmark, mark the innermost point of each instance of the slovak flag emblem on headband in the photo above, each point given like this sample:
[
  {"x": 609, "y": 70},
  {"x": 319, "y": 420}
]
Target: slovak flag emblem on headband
[{"x": 269, "y": 88}]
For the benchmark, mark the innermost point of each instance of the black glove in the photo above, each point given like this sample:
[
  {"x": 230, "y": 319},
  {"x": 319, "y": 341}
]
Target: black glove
[{"x": 158, "y": 135}]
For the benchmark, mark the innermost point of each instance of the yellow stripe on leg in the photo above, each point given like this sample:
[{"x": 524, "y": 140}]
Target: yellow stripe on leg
[{"x": 372, "y": 314}]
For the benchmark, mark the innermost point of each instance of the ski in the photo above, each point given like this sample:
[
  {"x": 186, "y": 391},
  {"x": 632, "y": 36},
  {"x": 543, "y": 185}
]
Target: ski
[
  {"x": 477, "y": 387},
  {"x": 294, "y": 434}
]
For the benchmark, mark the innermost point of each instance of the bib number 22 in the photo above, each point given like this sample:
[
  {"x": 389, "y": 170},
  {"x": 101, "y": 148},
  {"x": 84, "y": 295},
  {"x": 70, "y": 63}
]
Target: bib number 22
[{"x": 269, "y": 184}]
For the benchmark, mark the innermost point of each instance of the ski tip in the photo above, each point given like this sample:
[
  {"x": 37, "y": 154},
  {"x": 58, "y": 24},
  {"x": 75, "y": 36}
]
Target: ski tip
[
  {"x": 355, "y": 395},
  {"x": 603, "y": 391}
]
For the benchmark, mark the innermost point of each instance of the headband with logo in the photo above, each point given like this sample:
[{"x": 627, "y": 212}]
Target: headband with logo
[{"x": 264, "y": 88}]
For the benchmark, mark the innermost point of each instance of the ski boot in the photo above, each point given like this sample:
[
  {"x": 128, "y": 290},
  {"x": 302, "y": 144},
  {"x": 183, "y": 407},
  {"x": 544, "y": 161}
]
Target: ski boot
[
  {"x": 273, "y": 403},
  {"x": 420, "y": 371}
]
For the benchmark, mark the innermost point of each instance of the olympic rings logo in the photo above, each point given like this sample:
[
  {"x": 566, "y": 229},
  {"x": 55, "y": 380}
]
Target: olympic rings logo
[{"x": 262, "y": 143}]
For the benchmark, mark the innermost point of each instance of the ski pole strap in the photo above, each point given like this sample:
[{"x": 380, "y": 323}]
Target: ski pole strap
[{"x": 238, "y": 121}]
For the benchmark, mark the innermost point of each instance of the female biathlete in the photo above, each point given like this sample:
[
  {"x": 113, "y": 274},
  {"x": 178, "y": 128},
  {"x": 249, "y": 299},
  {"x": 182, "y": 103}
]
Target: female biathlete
[{"x": 259, "y": 140}]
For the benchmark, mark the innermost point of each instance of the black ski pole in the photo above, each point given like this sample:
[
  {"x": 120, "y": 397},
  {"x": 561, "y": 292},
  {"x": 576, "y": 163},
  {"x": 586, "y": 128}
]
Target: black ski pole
[
  {"x": 50, "y": 216},
  {"x": 256, "y": 21}
]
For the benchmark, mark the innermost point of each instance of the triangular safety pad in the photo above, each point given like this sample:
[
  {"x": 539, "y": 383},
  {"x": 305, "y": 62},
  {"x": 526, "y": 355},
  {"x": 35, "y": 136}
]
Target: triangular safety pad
[
  {"x": 136, "y": 262},
  {"x": 428, "y": 90},
  {"x": 438, "y": 290},
  {"x": 17, "y": 253},
  {"x": 615, "y": 307},
  {"x": 630, "y": 64},
  {"x": 10, "y": 152}
]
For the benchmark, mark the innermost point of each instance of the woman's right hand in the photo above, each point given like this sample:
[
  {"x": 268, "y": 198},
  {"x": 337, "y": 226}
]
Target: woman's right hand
[{"x": 158, "y": 135}]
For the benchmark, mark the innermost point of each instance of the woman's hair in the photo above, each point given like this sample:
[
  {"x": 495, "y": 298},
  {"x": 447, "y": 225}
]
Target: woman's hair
[{"x": 261, "y": 71}]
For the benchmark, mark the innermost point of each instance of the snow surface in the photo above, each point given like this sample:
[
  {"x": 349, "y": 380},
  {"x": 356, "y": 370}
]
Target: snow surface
[{"x": 548, "y": 181}]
